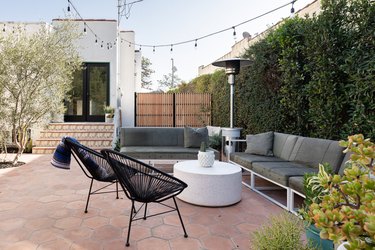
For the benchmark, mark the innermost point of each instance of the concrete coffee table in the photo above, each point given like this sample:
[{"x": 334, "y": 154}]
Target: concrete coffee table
[{"x": 219, "y": 185}]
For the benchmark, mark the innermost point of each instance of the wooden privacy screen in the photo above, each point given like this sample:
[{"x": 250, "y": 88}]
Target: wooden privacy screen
[{"x": 172, "y": 110}]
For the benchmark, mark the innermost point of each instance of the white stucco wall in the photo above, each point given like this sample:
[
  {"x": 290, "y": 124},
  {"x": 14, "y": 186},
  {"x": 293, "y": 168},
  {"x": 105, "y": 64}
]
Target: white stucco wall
[{"x": 127, "y": 78}]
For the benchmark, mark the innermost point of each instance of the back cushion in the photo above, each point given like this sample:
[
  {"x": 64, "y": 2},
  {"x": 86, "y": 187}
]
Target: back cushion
[
  {"x": 152, "y": 136},
  {"x": 310, "y": 151},
  {"x": 283, "y": 145},
  {"x": 334, "y": 155}
]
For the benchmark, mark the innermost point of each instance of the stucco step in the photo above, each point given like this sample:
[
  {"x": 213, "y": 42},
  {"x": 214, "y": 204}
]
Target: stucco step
[
  {"x": 50, "y": 150},
  {"x": 89, "y": 142},
  {"x": 81, "y": 126},
  {"x": 49, "y": 134}
]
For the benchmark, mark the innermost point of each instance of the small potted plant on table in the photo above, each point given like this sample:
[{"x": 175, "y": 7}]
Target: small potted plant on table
[{"x": 206, "y": 158}]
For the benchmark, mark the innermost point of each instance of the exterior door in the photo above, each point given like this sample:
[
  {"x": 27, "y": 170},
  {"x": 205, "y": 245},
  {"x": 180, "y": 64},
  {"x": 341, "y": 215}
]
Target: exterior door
[{"x": 89, "y": 95}]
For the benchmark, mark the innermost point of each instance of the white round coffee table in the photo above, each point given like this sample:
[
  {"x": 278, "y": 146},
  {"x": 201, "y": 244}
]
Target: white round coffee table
[{"x": 219, "y": 185}]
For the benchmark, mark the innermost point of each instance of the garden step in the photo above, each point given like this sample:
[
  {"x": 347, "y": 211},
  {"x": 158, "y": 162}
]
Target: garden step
[
  {"x": 93, "y": 135},
  {"x": 50, "y": 150}
]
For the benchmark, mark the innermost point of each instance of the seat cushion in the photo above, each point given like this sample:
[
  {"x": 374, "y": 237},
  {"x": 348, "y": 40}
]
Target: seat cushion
[
  {"x": 260, "y": 144},
  {"x": 167, "y": 153},
  {"x": 283, "y": 145},
  {"x": 246, "y": 160},
  {"x": 296, "y": 183},
  {"x": 281, "y": 171}
]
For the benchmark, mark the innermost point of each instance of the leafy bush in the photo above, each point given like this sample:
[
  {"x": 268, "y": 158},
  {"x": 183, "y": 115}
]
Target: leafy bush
[{"x": 282, "y": 232}]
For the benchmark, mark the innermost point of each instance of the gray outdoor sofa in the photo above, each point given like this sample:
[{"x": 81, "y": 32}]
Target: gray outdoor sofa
[
  {"x": 283, "y": 159},
  {"x": 163, "y": 143}
]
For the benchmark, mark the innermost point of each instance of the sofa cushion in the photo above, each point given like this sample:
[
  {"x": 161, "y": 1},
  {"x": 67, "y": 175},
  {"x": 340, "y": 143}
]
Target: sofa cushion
[
  {"x": 260, "y": 144},
  {"x": 151, "y": 136},
  {"x": 344, "y": 163},
  {"x": 246, "y": 160},
  {"x": 310, "y": 151},
  {"x": 296, "y": 183},
  {"x": 193, "y": 137},
  {"x": 334, "y": 156},
  {"x": 163, "y": 152},
  {"x": 281, "y": 171},
  {"x": 283, "y": 145}
]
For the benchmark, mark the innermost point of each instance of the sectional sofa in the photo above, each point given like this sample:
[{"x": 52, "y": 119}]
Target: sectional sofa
[
  {"x": 283, "y": 159},
  {"x": 163, "y": 143}
]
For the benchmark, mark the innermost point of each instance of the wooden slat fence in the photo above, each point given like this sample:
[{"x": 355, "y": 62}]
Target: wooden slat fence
[{"x": 172, "y": 110}]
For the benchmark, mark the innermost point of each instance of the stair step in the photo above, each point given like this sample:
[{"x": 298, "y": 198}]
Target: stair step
[
  {"x": 50, "y": 150},
  {"x": 76, "y": 133},
  {"x": 88, "y": 142},
  {"x": 93, "y": 135}
]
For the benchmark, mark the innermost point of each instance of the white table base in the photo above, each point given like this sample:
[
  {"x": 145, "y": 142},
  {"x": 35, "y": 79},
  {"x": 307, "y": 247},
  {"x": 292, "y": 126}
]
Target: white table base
[{"x": 219, "y": 185}]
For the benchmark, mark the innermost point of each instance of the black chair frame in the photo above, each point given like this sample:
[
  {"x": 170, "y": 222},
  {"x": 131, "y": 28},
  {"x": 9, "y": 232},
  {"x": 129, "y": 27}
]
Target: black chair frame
[
  {"x": 156, "y": 186},
  {"x": 87, "y": 169}
]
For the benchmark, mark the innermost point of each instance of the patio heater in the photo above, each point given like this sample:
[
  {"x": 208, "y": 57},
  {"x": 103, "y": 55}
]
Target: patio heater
[{"x": 232, "y": 67}]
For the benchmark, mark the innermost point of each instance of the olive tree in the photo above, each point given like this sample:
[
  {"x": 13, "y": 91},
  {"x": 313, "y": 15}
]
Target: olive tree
[{"x": 36, "y": 72}]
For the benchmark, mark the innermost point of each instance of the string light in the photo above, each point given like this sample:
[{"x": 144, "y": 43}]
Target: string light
[
  {"x": 84, "y": 27},
  {"x": 153, "y": 50},
  {"x": 4, "y": 28},
  {"x": 68, "y": 5},
  {"x": 101, "y": 46},
  {"x": 154, "y": 46},
  {"x": 292, "y": 9}
]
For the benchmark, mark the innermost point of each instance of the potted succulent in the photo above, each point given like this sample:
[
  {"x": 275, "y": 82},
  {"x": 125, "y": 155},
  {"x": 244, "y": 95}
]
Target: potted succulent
[
  {"x": 206, "y": 158},
  {"x": 314, "y": 193},
  {"x": 346, "y": 211},
  {"x": 109, "y": 113}
]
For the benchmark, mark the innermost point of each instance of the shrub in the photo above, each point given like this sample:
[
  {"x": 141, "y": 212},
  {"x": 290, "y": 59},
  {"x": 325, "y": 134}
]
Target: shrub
[{"x": 283, "y": 232}]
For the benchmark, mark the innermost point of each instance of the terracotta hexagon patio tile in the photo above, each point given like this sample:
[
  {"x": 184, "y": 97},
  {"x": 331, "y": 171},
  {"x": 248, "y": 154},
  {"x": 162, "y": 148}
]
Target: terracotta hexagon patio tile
[
  {"x": 151, "y": 222},
  {"x": 119, "y": 221},
  {"x": 58, "y": 243},
  {"x": 14, "y": 236},
  {"x": 186, "y": 244},
  {"x": 49, "y": 198},
  {"x": 247, "y": 228},
  {"x": 21, "y": 245},
  {"x": 8, "y": 205},
  {"x": 137, "y": 233},
  {"x": 221, "y": 229},
  {"x": 95, "y": 222},
  {"x": 68, "y": 222},
  {"x": 167, "y": 231},
  {"x": 78, "y": 234},
  {"x": 204, "y": 219},
  {"x": 196, "y": 230},
  {"x": 153, "y": 243},
  {"x": 12, "y": 224},
  {"x": 217, "y": 242},
  {"x": 242, "y": 241},
  {"x": 39, "y": 223},
  {"x": 45, "y": 235},
  {"x": 107, "y": 233},
  {"x": 86, "y": 244}
]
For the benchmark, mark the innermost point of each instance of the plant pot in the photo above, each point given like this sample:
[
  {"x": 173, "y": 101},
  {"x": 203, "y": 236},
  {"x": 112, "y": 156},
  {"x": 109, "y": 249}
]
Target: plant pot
[
  {"x": 312, "y": 236},
  {"x": 206, "y": 159},
  {"x": 109, "y": 118}
]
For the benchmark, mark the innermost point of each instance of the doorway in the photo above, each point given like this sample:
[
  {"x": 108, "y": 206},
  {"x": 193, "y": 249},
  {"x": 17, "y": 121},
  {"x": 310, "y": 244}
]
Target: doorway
[{"x": 89, "y": 95}]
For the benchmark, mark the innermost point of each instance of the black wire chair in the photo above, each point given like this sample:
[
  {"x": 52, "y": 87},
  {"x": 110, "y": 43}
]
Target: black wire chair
[
  {"x": 94, "y": 166},
  {"x": 145, "y": 184}
]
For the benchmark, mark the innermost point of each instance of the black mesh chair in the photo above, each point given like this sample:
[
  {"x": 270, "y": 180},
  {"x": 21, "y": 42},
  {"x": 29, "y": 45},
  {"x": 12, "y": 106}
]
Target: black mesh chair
[
  {"x": 93, "y": 165},
  {"x": 145, "y": 184}
]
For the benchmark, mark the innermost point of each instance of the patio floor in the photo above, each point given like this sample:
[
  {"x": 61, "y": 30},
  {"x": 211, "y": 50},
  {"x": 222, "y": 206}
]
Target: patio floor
[{"x": 42, "y": 207}]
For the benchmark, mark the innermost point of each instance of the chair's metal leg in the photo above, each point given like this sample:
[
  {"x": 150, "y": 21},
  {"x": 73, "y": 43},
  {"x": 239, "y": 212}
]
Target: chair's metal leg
[
  {"x": 144, "y": 215},
  {"x": 116, "y": 189},
  {"x": 130, "y": 223},
  {"x": 88, "y": 196},
  {"x": 179, "y": 215}
]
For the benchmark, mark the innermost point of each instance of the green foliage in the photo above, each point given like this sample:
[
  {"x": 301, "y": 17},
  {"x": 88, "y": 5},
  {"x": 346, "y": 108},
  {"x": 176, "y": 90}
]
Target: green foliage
[
  {"x": 347, "y": 209},
  {"x": 215, "y": 141},
  {"x": 36, "y": 72},
  {"x": 203, "y": 147},
  {"x": 282, "y": 233},
  {"x": 146, "y": 73},
  {"x": 311, "y": 76}
]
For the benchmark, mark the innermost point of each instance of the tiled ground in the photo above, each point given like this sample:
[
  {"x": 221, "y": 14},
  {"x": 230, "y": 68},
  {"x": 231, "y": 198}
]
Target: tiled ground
[{"x": 41, "y": 207}]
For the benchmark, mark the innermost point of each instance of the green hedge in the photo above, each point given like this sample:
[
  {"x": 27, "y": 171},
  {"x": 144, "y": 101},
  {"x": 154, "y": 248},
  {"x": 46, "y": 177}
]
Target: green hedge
[{"x": 310, "y": 76}]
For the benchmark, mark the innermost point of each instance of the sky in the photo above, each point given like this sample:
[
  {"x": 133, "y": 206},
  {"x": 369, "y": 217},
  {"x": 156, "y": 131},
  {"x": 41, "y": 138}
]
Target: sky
[{"x": 166, "y": 22}]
